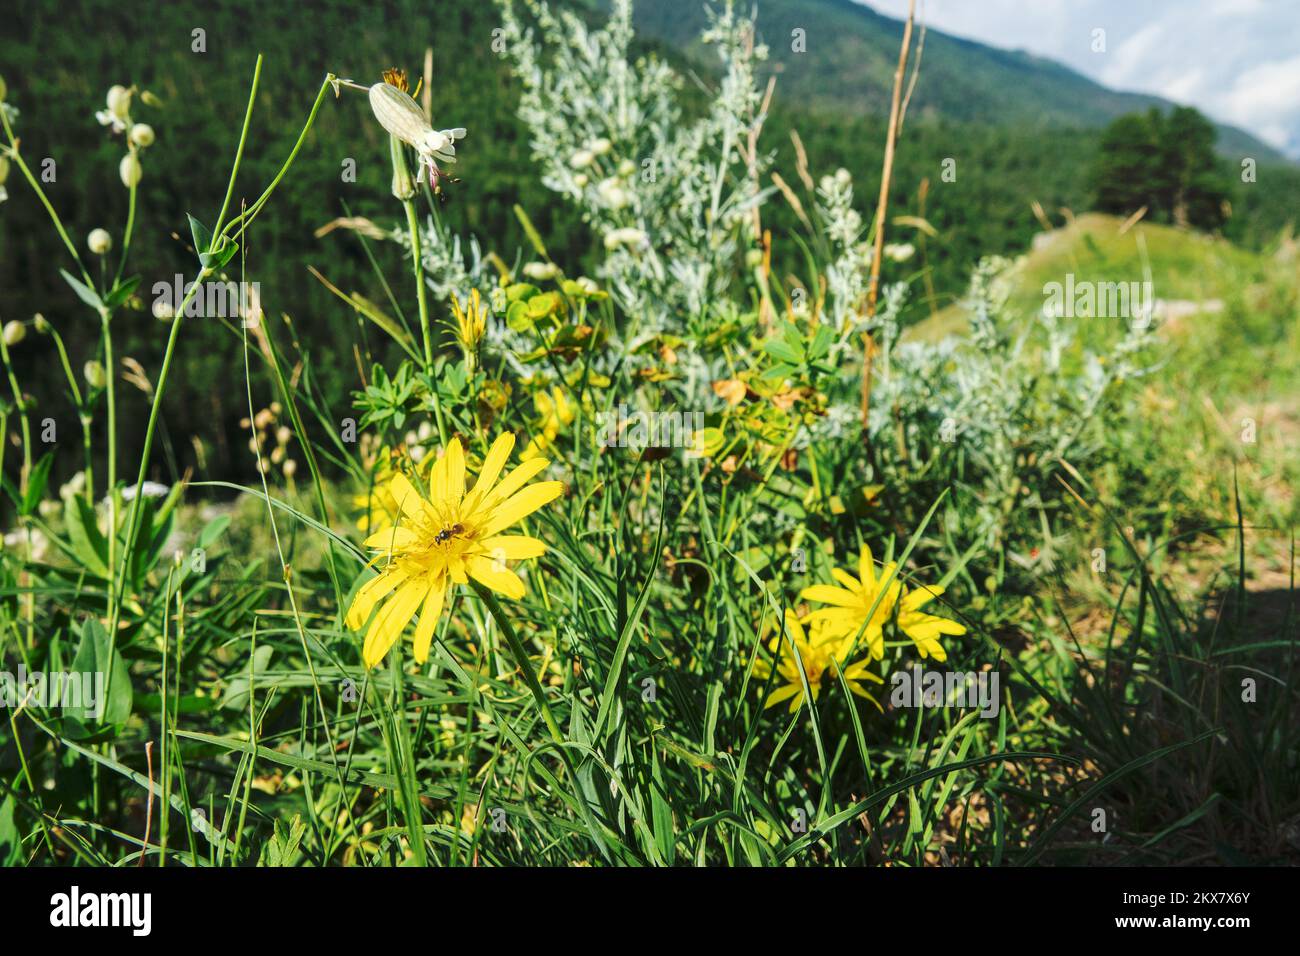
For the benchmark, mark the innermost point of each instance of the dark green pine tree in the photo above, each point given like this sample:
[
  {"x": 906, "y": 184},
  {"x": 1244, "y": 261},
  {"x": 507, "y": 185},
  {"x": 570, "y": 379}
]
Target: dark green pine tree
[{"x": 1166, "y": 163}]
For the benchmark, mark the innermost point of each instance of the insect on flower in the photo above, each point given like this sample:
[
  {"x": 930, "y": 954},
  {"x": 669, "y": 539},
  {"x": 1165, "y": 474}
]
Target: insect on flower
[{"x": 446, "y": 535}]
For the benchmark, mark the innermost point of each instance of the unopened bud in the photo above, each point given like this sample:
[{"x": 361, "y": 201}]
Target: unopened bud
[
  {"x": 99, "y": 241},
  {"x": 142, "y": 135},
  {"x": 130, "y": 171},
  {"x": 94, "y": 374}
]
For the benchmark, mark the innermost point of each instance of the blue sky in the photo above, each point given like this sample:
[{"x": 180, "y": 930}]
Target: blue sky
[{"x": 1235, "y": 60}]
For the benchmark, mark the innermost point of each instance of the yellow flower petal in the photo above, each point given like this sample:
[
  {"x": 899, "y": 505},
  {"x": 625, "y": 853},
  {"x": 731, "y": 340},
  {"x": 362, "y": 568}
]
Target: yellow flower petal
[
  {"x": 782, "y": 693},
  {"x": 496, "y": 576},
  {"x": 408, "y": 499},
  {"x": 846, "y": 579},
  {"x": 392, "y": 618},
  {"x": 829, "y": 594},
  {"x": 521, "y": 505},
  {"x": 371, "y": 593},
  {"x": 919, "y": 597},
  {"x": 866, "y": 567},
  {"x": 513, "y": 547},
  {"x": 493, "y": 462},
  {"x": 513, "y": 482},
  {"x": 429, "y": 619}
]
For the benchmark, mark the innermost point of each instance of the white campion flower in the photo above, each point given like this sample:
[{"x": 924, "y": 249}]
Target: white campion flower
[
  {"x": 118, "y": 114},
  {"x": 403, "y": 118}
]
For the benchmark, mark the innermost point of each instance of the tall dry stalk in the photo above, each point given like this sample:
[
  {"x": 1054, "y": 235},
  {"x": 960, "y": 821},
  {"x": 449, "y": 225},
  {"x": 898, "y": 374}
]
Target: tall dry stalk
[{"x": 882, "y": 206}]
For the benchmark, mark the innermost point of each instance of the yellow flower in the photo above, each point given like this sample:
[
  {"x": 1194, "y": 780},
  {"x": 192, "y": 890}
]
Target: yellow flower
[
  {"x": 556, "y": 412},
  {"x": 471, "y": 323},
  {"x": 821, "y": 656},
  {"x": 445, "y": 538},
  {"x": 924, "y": 629},
  {"x": 851, "y": 603}
]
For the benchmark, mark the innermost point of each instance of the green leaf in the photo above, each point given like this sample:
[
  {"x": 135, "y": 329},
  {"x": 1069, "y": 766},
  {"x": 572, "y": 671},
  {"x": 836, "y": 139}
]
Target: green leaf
[
  {"x": 83, "y": 534},
  {"x": 84, "y": 292},
  {"x": 213, "y": 530},
  {"x": 36, "y": 483},
  {"x": 93, "y": 657},
  {"x": 782, "y": 351},
  {"x": 202, "y": 236},
  {"x": 282, "y": 848},
  {"x": 121, "y": 292}
]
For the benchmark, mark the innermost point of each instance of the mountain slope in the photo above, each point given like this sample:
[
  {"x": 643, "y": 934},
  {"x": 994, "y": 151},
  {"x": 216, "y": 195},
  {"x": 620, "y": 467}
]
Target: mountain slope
[{"x": 851, "y": 52}]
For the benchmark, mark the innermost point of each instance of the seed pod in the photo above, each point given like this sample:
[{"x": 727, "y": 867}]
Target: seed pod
[
  {"x": 130, "y": 171},
  {"x": 94, "y": 374}
]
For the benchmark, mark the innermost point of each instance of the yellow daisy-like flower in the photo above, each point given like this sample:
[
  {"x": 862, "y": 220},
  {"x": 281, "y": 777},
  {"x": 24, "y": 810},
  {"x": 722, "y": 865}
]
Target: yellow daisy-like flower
[
  {"x": 821, "y": 655},
  {"x": 851, "y": 603},
  {"x": 924, "y": 629},
  {"x": 447, "y": 538}
]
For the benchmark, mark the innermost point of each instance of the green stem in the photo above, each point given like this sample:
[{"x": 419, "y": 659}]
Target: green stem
[
  {"x": 110, "y": 375},
  {"x": 22, "y": 415},
  {"x": 422, "y": 296},
  {"x": 521, "y": 658}
]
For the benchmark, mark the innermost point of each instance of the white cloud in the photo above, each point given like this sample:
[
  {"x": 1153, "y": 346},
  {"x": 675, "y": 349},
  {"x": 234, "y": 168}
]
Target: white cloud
[{"x": 1234, "y": 59}]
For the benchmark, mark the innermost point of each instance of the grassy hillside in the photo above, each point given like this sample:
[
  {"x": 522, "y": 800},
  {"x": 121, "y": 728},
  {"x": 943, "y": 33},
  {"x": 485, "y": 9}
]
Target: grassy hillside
[
  {"x": 1232, "y": 324},
  {"x": 1183, "y": 265}
]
